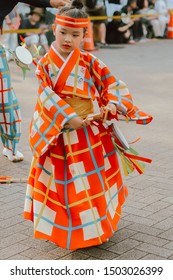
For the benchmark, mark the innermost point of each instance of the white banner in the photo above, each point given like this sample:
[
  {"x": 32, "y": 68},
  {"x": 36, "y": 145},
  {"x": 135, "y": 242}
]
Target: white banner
[{"x": 85, "y": 270}]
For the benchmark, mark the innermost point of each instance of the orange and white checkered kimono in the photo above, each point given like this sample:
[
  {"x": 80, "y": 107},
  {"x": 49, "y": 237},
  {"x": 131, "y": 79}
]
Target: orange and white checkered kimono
[{"x": 75, "y": 190}]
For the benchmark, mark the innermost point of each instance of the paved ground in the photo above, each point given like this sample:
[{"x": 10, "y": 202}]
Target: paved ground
[{"x": 146, "y": 228}]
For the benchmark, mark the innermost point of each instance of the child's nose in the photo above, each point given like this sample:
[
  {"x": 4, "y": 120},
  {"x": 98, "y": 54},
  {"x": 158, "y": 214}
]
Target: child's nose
[{"x": 68, "y": 38}]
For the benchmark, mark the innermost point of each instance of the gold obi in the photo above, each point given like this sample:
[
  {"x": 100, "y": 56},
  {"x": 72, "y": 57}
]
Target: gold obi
[{"x": 82, "y": 107}]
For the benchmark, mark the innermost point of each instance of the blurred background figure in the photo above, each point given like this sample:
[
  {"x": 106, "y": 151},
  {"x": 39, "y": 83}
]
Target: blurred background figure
[
  {"x": 118, "y": 32},
  {"x": 23, "y": 9},
  {"x": 11, "y": 22},
  {"x": 131, "y": 8},
  {"x": 113, "y": 6},
  {"x": 161, "y": 8},
  {"x": 35, "y": 20},
  {"x": 154, "y": 27},
  {"x": 97, "y": 8},
  {"x": 49, "y": 20}
]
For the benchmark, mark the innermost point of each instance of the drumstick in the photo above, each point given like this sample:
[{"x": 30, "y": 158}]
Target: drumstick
[{"x": 9, "y": 179}]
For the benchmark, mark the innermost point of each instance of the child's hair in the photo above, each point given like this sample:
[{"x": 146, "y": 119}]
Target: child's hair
[{"x": 74, "y": 11}]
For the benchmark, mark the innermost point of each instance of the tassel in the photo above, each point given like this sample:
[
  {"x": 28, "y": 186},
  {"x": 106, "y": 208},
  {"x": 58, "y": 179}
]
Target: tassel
[{"x": 130, "y": 159}]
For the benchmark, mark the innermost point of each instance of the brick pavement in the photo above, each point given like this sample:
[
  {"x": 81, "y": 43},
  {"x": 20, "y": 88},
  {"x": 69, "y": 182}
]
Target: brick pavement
[{"x": 146, "y": 228}]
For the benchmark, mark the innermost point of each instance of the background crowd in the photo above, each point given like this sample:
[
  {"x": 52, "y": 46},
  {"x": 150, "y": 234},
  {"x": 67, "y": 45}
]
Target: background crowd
[{"x": 135, "y": 20}]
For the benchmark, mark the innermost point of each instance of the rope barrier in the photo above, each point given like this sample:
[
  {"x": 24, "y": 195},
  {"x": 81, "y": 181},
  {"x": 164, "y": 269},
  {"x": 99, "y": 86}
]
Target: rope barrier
[{"x": 39, "y": 30}]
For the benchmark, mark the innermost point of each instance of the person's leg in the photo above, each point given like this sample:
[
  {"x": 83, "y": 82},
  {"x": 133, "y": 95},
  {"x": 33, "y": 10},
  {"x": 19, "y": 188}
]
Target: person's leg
[
  {"x": 10, "y": 119},
  {"x": 32, "y": 42},
  {"x": 156, "y": 27},
  {"x": 102, "y": 33},
  {"x": 44, "y": 42},
  {"x": 163, "y": 22}
]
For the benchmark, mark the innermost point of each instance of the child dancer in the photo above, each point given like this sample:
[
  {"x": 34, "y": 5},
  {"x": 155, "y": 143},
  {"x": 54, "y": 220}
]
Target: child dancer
[{"x": 75, "y": 190}]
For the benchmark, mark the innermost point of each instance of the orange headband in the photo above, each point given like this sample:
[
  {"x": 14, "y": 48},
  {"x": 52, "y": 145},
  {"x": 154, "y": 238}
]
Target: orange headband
[{"x": 71, "y": 22}]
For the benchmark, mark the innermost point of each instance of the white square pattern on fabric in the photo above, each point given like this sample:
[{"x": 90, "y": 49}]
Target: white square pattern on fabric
[
  {"x": 45, "y": 220},
  {"x": 81, "y": 183},
  {"x": 28, "y": 201},
  {"x": 112, "y": 199},
  {"x": 94, "y": 229},
  {"x": 73, "y": 138}
]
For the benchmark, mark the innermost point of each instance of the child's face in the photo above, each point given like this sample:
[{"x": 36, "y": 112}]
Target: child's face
[{"x": 67, "y": 39}]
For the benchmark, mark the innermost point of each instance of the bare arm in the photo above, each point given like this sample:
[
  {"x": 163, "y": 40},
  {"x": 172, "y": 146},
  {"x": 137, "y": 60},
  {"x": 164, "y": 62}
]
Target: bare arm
[
  {"x": 59, "y": 3},
  {"x": 47, "y": 3},
  {"x": 126, "y": 27}
]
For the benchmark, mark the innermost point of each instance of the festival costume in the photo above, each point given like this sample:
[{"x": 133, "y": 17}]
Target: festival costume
[
  {"x": 10, "y": 118},
  {"x": 75, "y": 190}
]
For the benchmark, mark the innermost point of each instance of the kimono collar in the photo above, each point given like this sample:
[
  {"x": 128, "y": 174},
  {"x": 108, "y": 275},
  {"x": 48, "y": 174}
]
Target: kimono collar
[{"x": 71, "y": 22}]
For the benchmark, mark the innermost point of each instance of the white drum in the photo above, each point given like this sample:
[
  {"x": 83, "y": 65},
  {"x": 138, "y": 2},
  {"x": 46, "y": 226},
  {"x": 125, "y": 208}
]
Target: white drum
[{"x": 23, "y": 56}]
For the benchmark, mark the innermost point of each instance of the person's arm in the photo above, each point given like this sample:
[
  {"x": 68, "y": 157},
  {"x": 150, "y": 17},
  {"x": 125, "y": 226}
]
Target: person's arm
[
  {"x": 115, "y": 92},
  {"x": 125, "y": 27},
  {"x": 7, "y": 6},
  {"x": 47, "y": 3}
]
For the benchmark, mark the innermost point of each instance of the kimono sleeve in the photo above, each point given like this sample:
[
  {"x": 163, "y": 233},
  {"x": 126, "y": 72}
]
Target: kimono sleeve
[
  {"x": 115, "y": 91},
  {"x": 50, "y": 115}
]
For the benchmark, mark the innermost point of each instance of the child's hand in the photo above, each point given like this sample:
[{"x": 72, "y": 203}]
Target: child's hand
[
  {"x": 76, "y": 123},
  {"x": 111, "y": 108}
]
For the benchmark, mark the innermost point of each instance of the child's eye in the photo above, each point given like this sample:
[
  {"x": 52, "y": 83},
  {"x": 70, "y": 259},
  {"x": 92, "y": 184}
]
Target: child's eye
[
  {"x": 75, "y": 35},
  {"x": 62, "y": 32}
]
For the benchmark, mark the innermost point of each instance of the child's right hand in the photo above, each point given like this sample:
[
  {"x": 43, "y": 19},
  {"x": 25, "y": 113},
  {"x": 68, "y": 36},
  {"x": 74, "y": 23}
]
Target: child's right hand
[{"x": 76, "y": 123}]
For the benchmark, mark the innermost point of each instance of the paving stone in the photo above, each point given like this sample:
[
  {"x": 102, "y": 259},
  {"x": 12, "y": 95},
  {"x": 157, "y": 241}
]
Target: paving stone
[
  {"x": 168, "y": 234},
  {"x": 122, "y": 224},
  {"x": 153, "y": 257},
  {"x": 171, "y": 257},
  {"x": 11, "y": 213},
  {"x": 140, "y": 220},
  {"x": 31, "y": 253},
  {"x": 132, "y": 255},
  {"x": 161, "y": 215},
  {"x": 152, "y": 198},
  {"x": 169, "y": 245},
  {"x": 146, "y": 229},
  {"x": 139, "y": 212},
  {"x": 13, "y": 197},
  {"x": 11, "y": 205},
  {"x": 18, "y": 257},
  {"x": 155, "y": 250},
  {"x": 150, "y": 239},
  {"x": 121, "y": 235},
  {"x": 39, "y": 244},
  {"x": 106, "y": 245},
  {"x": 124, "y": 246},
  {"x": 54, "y": 254},
  {"x": 11, "y": 221},
  {"x": 12, "y": 250},
  {"x": 12, "y": 239},
  {"x": 4, "y": 232},
  {"x": 75, "y": 256},
  {"x": 98, "y": 253},
  {"x": 156, "y": 206},
  {"x": 165, "y": 224},
  {"x": 168, "y": 199},
  {"x": 135, "y": 204}
]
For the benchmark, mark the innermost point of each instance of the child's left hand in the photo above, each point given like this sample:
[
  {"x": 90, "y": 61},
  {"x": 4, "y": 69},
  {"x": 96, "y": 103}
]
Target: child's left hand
[
  {"x": 108, "y": 109},
  {"x": 111, "y": 108}
]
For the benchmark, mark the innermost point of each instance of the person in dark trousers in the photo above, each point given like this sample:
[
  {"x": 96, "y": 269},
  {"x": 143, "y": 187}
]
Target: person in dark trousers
[
  {"x": 132, "y": 9},
  {"x": 10, "y": 119},
  {"x": 118, "y": 32}
]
